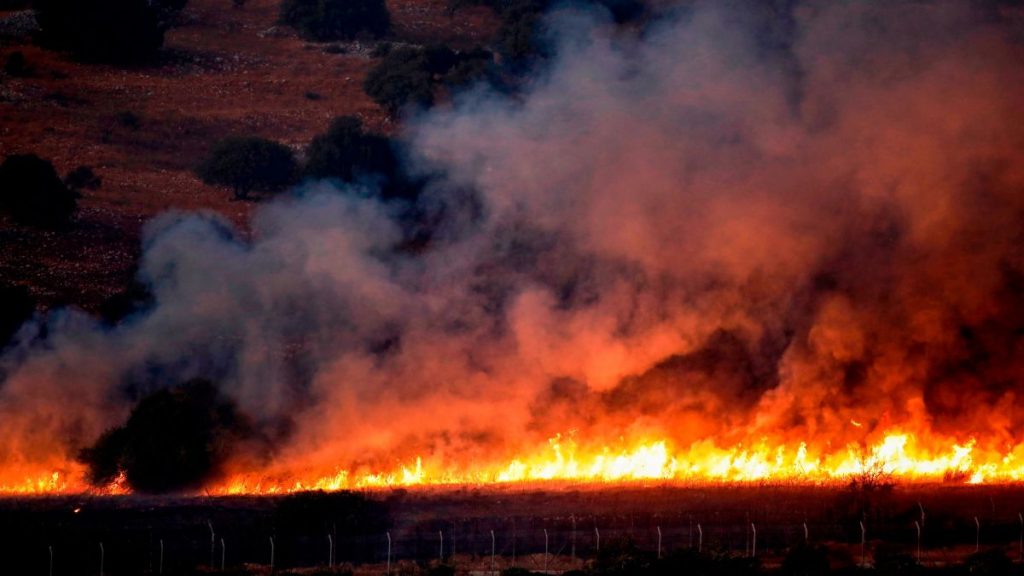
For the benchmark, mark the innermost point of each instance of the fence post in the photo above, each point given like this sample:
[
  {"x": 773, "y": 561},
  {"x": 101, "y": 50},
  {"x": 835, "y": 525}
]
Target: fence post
[
  {"x": 545, "y": 550},
  {"x": 389, "y": 553},
  {"x": 659, "y": 542},
  {"x": 700, "y": 538},
  {"x": 102, "y": 558},
  {"x": 977, "y": 535},
  {"x": 573, "y": 517},
  {"x": 213, "y": 543},
  {"x": 271, "y": 554},
  {"x": 863, "y": 539},
  {"x": 753, "y": 542}
]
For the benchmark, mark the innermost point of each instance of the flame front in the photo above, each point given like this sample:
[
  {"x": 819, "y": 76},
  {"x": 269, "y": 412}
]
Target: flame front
[{"x": 896, "y": 457}]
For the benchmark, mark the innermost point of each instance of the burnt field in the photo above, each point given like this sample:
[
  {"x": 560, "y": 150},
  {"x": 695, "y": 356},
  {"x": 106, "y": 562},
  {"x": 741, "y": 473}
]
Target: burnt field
[{"x": 702, "y": 530}]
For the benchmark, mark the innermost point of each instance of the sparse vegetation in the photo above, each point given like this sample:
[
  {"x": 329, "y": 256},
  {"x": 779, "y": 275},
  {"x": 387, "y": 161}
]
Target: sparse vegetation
[
  {"x": 116, "y": 31},
  {"x": 31, "y": 192},
  {"x": 249, "y": 164},
  {"x": 327, "y": 20}
]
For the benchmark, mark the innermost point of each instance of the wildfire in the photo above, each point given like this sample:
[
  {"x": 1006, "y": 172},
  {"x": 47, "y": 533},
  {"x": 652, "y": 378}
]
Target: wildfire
[{"x": 898, "y": 457}]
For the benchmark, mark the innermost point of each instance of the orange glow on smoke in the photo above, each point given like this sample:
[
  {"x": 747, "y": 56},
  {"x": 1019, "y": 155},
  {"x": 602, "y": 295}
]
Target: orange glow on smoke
[{"x": 897, "y": 457}]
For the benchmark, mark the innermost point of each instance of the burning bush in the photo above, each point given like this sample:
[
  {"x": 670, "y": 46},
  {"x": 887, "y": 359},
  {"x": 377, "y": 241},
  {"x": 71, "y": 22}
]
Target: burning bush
[
  {"x": 121, "y": 31},
  {"x": 249, "y": 164},
  {"x": 174, "y": 440},
  {"x": 326, "y": 20},
  {"x": 33, "y": 194}
]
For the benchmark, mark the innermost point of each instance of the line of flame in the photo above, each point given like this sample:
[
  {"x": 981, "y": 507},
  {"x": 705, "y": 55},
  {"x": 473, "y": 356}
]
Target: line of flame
[{"x": 897, "y": 457}]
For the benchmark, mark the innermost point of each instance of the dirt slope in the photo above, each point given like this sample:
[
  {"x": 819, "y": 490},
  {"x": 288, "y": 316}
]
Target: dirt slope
[{"x": 224, "y": 71}]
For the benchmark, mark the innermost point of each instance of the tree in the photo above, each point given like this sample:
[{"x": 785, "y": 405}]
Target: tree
[
  {"x": 16, "y": 306},
  {"x": 409, "y": 76},
  {"x": 82, "y": 178},
  {"x": 32, "y": 193},
  {"x": 249, "y": 164},
  {"x": 173, "y": 440},
  {"x": 117, "y": 31},
  {"x": 347, "y": 151},
  {"x": 327, "y": 20}
]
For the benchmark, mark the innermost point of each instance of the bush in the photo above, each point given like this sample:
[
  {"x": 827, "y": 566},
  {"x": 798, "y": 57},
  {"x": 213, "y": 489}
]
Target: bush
[
  {"x": 994, "y": 561},
  {"x": 33, "y": 194},
  {"x": 173, "y": 440},
  {"x": 346, "y": 152},
  {"x": 16, "y": 306},
  {"x": 118, "y": 31},
  {"x": 17, "y": 66},
  {"x": 134, "y": 298},
  {"x": 408, "y": 76},
  {"x": 249, "y": 164},
  {"x": 326, "y": 20},
  {"x": 82, "y": 178}
]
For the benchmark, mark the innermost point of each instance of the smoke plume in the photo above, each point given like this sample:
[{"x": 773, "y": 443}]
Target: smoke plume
[{"x": 799, "y": 222}]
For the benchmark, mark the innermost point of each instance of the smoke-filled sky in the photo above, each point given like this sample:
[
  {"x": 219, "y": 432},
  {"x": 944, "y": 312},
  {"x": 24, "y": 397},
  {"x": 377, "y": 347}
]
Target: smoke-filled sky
[{"x": 740, "y": 222}]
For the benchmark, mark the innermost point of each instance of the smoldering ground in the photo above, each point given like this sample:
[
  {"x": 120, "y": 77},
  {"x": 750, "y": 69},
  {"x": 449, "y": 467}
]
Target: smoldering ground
[{"x": 741, "y": 220}]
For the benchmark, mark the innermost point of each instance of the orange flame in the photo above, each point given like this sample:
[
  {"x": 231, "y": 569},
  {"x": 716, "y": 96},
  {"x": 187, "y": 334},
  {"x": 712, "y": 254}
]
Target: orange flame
[{"x": 897, "y": 457}]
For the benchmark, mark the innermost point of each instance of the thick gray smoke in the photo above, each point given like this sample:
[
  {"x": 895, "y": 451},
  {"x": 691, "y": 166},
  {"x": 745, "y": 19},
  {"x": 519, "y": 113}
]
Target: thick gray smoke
[{"x": 737, "y": 222}]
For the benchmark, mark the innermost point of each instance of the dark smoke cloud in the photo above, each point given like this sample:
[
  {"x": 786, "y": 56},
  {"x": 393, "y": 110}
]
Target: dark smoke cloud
[{"x": 740, "y": 221}]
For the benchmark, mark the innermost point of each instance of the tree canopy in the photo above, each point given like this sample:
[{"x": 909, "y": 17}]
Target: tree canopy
[
  {"x": 116, "y": 31},
  {"x": 326, "y": 20},
  {"x": 173, "y": 440},
  {"x": 249, "y": 164},
  {"x": 32, "y": 193}
]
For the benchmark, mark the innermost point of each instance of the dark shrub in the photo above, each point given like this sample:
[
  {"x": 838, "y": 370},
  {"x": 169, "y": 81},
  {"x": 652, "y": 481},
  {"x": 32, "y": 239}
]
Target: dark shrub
[
  {"x": 16, "y": 65},
  {"x": 326, "y": 20},
  {"x": 806, "y": 561},
  {"x": 173, "y": 440},
  {"x": 346, "y": 151},
  {"x": 82, "y": 178},
  {"x": 133, "y": 299},
  {"x": 249, "y": 164},
  {"x": 128, "y": 119},
  {"x": 990, "y": 562},
  {"x": 33, "y": 194},
  {"x": 408, "y": 76},
  {"x": 16, "y": 306},
  {"x": 402, "y": 78},
  {"x": 892, "y": 559},
  {"x": 118, "y": 31}
]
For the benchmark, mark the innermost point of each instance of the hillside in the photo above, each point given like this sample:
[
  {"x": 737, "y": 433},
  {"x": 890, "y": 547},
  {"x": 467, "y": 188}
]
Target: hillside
[{"x": 223, "y": 71}]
